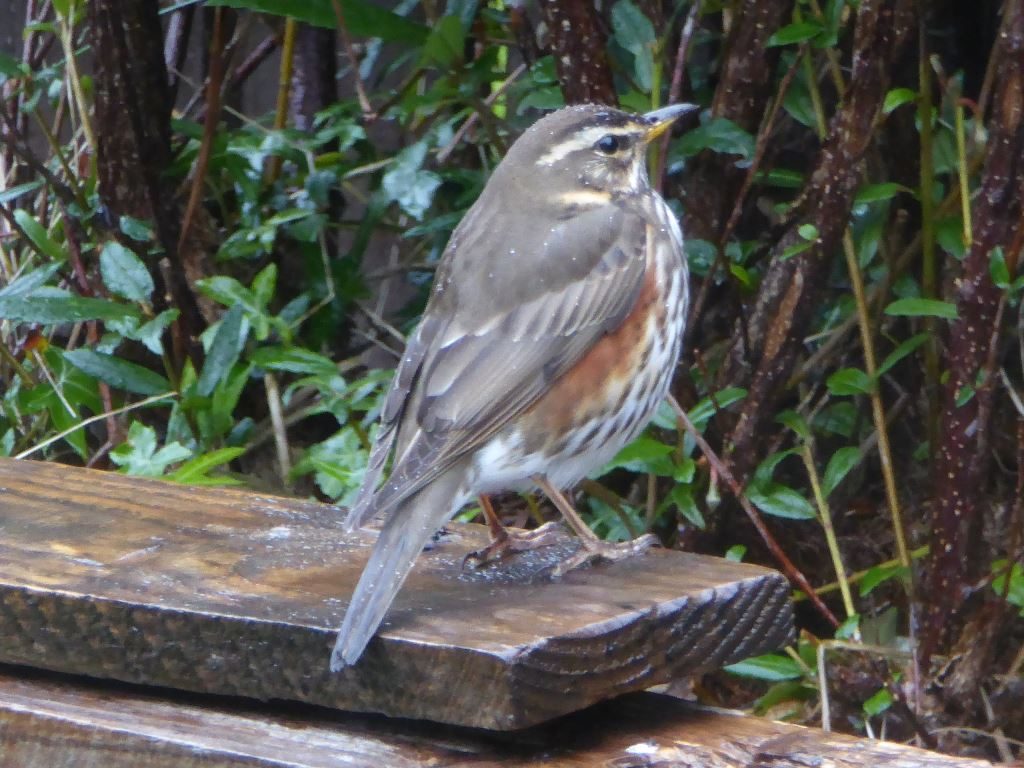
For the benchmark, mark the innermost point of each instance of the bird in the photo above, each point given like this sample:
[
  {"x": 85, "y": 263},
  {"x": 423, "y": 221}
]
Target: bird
[{"x": 550, "y": 336}]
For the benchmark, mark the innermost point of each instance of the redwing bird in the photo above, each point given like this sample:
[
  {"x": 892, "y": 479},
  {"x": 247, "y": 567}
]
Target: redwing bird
[{"x": 550, "y": 337}]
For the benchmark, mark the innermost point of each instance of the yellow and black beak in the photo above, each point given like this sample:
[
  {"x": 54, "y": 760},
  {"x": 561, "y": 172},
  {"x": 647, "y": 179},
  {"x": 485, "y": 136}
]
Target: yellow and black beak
[{"x": 661, "y": 120}]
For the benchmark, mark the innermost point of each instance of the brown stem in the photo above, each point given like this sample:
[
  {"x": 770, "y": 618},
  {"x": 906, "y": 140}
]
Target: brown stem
[
  {"x": 369, "y": 115},
  {"x": 962, "y": 459},
  {"x": 578, "y": 45},
  {"x": 792, "y": 572},
  {"x": 788, "y": 295},
  {"x": 213, "y": 103}
]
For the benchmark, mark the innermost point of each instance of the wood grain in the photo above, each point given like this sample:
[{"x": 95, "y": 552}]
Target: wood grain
[
  {"x": 220, "y": 591},
  {"x": 47, "y": 720}
]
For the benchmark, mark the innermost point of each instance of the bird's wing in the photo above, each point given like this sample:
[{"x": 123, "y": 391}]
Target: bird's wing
[{"x": 490, "y": 346}]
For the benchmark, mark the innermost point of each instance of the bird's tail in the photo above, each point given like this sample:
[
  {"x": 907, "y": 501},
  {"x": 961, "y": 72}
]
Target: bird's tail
[{"x": 408, "y": 528}]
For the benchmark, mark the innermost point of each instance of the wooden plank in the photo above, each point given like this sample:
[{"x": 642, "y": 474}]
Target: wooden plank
[
  {"x": 220, "y": 591},
  {"x": 62, "y": 723}
]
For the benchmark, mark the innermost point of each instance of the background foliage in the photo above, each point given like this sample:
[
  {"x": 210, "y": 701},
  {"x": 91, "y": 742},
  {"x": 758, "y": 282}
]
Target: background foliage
[{"x": 210, "y": 288}]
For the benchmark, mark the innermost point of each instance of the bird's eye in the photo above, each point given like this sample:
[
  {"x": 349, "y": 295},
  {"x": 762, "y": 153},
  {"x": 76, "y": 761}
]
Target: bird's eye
[{"x": 608, "y": 144}]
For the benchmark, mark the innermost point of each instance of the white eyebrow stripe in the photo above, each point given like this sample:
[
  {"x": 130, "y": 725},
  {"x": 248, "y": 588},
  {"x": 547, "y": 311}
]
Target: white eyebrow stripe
[
  {"x": 581, "y": 140},
  {"x": 585, "y": 197}
]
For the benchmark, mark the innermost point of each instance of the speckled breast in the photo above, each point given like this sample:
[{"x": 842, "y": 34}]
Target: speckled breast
[{"x": 611, "y": 394}]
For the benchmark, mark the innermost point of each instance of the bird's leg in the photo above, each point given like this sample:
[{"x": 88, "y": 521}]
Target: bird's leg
[
  {"x": 504, "y": 541},
  {"x": 593, "y": 547}
]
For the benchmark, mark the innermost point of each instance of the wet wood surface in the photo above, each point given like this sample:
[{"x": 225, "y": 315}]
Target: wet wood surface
[
  {"x": 47, "y": 720},
  {"x": 226, "y": 592}
]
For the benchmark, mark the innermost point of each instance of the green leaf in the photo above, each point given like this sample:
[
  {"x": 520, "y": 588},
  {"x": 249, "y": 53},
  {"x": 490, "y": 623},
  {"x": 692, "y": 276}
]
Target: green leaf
[
  {"x": 904, "y": 349},
  {"x": 914, "y": 307},
  {"x": 224, "y": 351},
  {"x": 264, "y": 283},
  {"x": 718, "y": 134},
  {"x": 1015, "y": 591},
  {"x": 702, "y": 412},
  {"x": 742, "y": 274},
  {"x": 196, "y": 471},
  {"x": 849, "y": 629},
  {"x": 124, "y": 274},
  {"x": 13, "y": 193},
  {"x": 546, "y": 97},
  {"x": 634, "y": 32},
  {"x": 808, "y": 232},
  {"x": 137, "y": 229},
  {"x": 645, "y": 454},
  {"x": 798, "y": 102},
  {"x": 49, "y": 310},
  {"x": 795, "y": 33},
  {"x": 781, "y": 177},
  {"x": 878, "y": 703},
  {"x": 682, "y": 497},
  {"x": 766, "y": 469},
  {"x": 782, "y": 501},
  {"x": 139, "y": 456},
  {"x": 795, "y": 250},
  {"x": 294, "y": 360},
  {"x": 150, "y": 332},
  {"x": 29, "y": 282},
  {"x": 872, "y": 193},
  {"x": 850, "y": 381},
  {"x": 9, "y": 67},
  {"x": 792, "y": 692},
  {"x": 338, "y": 464},
  {"x": 446, "y": 44},
  {"x": 839, "y": 418},
  {"x": 229, "y": 292},
  {"x": 408, "y": 184},
  {"x": 118, "y": 373},
  {"x": 773, "y": 667},
  {"x": 897, "y": 97},
  {"x": 839, "y": 467},
  {"x": 997, "y": 268},
  {"x": 736, "y": 553},
  {"x": 796, "y": 422},
  {"x": 38, "y": 235},
  {"x": 64, "y": 422},
  {"x": 964, "y": 395},
  {"x": 362, "y": 17},
  {"x": 949, "y": 233},
  {"x": 880, "y": 574}
]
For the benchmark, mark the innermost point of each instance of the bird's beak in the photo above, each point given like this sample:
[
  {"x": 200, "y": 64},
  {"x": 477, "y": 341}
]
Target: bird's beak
[{"x": 660, "y": 120}]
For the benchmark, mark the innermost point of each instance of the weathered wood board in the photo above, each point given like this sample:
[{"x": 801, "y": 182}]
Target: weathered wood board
[
  {"x": 68, "y": 723},
  {"x": 220, "y": 591}
]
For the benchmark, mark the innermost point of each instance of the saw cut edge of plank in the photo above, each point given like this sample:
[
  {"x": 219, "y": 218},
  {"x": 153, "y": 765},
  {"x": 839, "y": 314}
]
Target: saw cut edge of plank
[{"x": 227, "y": 592}]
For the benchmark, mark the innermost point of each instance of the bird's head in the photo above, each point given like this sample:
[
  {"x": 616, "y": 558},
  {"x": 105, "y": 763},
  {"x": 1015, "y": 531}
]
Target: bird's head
[{"x": 588, "y": 154}]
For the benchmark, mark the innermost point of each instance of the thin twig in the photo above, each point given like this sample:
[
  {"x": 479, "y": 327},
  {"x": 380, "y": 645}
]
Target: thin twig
[
  {"x": 760, "y": 146},
  {"x": 807, "y": 454},
  {"x": 284, "y": 462},
  {"x": 870, "y": 364},
  {"x": 213, "y": 100},
  {"x": 791, "y": 571},
  {"x": 369, "y": 115},
  {"x": 470, "y": 121},
  {"x": 93, "y": 419},
  {"x": 675, "y": 87},
  {"x": 284, "y": 83}
]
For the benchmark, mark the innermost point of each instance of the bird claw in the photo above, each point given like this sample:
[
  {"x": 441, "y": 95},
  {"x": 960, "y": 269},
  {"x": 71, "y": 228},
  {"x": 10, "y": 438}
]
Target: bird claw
[
  {"x": 511, "y": 542},
  {"x": 604, "y": 550}
]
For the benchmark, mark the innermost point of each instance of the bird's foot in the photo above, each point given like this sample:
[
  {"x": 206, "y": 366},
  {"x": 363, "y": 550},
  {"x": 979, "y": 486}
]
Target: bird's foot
[
  {"x": 592, "y": 551},
  {"x": 508, "y": 542}
]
